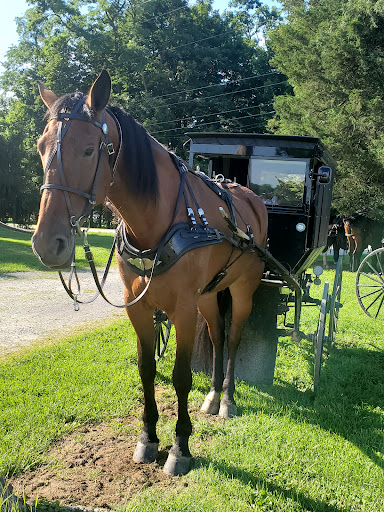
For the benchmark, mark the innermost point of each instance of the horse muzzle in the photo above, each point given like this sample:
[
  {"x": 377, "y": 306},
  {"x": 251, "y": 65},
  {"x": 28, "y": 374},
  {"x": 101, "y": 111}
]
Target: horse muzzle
[{"x": 54, "y": 251}]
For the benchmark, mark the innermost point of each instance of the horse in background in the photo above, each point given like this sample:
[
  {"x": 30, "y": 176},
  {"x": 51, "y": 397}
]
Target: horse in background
[
  {"x": 336, "y": 238},
  {"x": 360, "y": 232}
]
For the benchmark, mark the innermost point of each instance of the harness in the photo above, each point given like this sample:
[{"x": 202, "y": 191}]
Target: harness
[{"x": 178, "y": 239}]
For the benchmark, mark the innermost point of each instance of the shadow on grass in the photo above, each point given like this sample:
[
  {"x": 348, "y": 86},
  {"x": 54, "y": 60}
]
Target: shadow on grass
[
  {"x": 269, "y": 487},
  {"x": 349, "y": 400}
]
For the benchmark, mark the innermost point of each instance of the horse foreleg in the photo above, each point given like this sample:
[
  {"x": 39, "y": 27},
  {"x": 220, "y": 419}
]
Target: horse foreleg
[
  {"x": 179, "y": 459},
  {"x": 356, "y": 255},
  {"x": 147, "y": 445},
  {"x": 336, "y": 253},
  {"x": 210, "y": 310},
  {"x": 241, "y": 309}
]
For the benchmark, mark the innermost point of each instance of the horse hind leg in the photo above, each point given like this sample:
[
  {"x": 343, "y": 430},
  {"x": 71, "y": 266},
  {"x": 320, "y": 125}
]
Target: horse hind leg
[
  {"x": 209, "y": 308},
  {"x": 241, "y": 308}
]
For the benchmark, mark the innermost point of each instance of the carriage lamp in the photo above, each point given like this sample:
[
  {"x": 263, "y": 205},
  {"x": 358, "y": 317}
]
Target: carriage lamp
[
  {"x": 317, "y": 270},
  {"x": 300, "y": 227}
]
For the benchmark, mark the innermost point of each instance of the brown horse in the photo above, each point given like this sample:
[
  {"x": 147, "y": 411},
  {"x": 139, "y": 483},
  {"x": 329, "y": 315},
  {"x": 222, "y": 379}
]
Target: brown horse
[
  {"x": 361, "y": 232},
  {"x": 90, "y": 152},
  {"x": 336, "y": 238}
]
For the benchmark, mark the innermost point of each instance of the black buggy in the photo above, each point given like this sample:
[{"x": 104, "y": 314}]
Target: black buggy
[{"x": 294, "y": 177}]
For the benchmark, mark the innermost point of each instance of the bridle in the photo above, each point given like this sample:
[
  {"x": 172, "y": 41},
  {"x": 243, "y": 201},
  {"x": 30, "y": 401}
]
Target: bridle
[
  {"x": 76, "y": 223},
  {"x": 105, "y": 144},
  {"x": 90, "y": 197}
]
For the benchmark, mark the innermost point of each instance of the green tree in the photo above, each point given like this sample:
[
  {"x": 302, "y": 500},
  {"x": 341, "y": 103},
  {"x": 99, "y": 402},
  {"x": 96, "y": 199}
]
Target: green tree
[
  {"x": 332, "y": 52},
  {"x": 174, "y": 67}
]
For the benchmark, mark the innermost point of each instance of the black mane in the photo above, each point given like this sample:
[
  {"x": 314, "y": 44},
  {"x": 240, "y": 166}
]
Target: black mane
[
  {"x": 140, "y": 172},
  {"x": 140, "y": 169}
]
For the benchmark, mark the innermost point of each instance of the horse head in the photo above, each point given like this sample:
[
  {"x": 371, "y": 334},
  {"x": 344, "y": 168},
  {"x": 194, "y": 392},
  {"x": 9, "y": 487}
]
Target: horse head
[{"x": 78, "y": 157}]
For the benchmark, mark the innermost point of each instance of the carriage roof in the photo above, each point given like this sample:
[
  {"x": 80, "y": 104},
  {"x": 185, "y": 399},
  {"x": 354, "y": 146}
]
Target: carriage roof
[{"x": 256, "y": 144}]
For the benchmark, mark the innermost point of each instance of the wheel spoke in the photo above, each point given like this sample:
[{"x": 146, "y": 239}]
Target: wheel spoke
[
  {"x": 370, "y": 283},
  {"x": 379, "y": 262},
  {"x": 371, "y": 293},
  {"x": 375, "y": 272},
  {"x": 367, "y": 285},
  {"x": 369, "y": 276},
  {"x": 373, "y": 302},
  {"x": 162, "y": 332},
  {"x": 379, "y": 308}
]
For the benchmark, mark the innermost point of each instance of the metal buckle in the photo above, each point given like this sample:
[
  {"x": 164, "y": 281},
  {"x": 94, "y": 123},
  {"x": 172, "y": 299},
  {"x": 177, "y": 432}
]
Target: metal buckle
[{"x": 110, "y": 149}]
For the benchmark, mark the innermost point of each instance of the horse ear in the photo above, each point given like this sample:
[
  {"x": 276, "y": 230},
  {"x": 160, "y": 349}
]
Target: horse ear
[
  {"x": 100, "y": 91},
  {"x": 47, "y": 96}
]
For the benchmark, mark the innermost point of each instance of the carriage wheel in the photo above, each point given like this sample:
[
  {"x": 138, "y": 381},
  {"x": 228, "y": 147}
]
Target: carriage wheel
[
  {"x": 162, "y": 332},
  {"x": 334, "y": 304},
  {"x": 370, "y": 283},
  {"x": 320, "y": 336}
]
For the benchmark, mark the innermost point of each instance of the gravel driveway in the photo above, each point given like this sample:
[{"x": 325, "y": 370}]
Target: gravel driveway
[{"x": 34, "y": 305}]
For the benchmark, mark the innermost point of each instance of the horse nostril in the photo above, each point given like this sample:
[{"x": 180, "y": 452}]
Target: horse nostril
[{"x": 62, "y": 244}]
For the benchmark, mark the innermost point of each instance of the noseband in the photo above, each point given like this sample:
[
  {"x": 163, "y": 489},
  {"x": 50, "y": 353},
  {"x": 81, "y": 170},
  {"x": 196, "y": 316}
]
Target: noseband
[{"x": 105, "y": 144}]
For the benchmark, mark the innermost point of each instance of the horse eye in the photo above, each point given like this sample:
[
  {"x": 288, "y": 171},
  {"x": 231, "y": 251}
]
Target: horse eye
[{"x": 89, "y": 151}]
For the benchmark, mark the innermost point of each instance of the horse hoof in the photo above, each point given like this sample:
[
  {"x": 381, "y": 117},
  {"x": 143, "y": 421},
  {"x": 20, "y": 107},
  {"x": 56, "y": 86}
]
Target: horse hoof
[
  {"x": 211, "y": 403},
  {"x": 227, "y": 410},
  {"x": 177, "y": 465},
  {"x": 145, "y": 452}
]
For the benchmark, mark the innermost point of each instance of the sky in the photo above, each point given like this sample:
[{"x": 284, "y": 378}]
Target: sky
[{"x": 8, "y": 34}]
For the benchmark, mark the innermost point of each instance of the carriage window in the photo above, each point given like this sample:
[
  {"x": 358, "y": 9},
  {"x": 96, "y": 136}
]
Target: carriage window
[{"x": 278, "y": 182}]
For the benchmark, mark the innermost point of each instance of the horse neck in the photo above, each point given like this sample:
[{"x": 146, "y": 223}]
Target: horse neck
[{"x": 147, "y": 220}]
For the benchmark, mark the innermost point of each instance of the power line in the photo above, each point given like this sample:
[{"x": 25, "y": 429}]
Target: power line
[
  {"x": 222, "y": 94},
  {"x": 199, "y": 40},
  {"x": 166, "y": 12},
  {"x": 217, "y": 85},
  {"x": 214, "y": 122},
  {"x": 191, "y": 118}
]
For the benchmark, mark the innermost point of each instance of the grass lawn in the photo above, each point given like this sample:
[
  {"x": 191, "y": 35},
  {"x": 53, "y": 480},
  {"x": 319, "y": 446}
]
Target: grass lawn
[
  {"x": 16, "y": 253},
  {"x": 287, "y": 451}
]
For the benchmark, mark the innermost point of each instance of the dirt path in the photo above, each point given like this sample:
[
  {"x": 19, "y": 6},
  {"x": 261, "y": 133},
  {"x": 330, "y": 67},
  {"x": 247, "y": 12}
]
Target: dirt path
[{"x": 34, "y": 305}]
